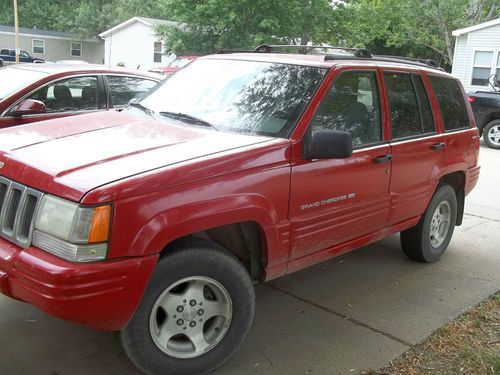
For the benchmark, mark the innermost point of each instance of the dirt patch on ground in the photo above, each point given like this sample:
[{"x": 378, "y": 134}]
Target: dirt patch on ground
[{"x": 468, "y": 345}]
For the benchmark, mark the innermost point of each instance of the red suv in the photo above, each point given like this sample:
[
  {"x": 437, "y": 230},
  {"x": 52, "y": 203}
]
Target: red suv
[{"x": 157, "y": 220}]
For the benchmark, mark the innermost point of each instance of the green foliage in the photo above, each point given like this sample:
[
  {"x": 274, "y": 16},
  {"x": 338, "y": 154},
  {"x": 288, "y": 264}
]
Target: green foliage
[
  {"x": 211, "y": 25},
  {"x": 417, "y": 28},
  {"x": 84, "y": 17}
]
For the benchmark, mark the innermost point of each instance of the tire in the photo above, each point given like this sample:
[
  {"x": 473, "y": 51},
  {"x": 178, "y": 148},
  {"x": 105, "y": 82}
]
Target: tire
[
  {"x": 176, "y": 304},
  {"x": 491, "y": 134},
  {"x": 428, "y": 240}
]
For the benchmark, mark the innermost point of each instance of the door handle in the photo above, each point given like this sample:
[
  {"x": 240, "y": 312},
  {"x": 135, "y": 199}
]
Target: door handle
[
  {"x": 382, "y": 159},
  {"x": 437, "y": 146}
]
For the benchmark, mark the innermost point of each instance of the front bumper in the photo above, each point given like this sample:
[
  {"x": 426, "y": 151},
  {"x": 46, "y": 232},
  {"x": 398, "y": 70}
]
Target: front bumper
[{"x": 101, "y": 295}]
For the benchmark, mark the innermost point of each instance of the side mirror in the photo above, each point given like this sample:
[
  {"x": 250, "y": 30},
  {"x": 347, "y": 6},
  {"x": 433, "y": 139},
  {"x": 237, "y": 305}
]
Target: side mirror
[
  {"x": 328, "y": 144},
  {"x": 28, "y": 107},
  {"x": 496, "y": 81}
]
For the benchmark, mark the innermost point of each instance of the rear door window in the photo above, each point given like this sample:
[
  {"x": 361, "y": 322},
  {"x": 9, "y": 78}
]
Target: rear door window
[
  {"x": 123, "y": 89},
  {"x": 352, "y": 105},
  {"x": 411, "y": 113},
  {"x": 451, "y": 102}
]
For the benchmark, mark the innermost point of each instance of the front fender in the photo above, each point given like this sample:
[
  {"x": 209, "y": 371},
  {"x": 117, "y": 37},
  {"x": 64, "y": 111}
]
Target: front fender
[{"x": 184, "y": 220}]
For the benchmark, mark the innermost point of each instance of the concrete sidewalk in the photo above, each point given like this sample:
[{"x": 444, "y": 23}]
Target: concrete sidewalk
[{"x": 343, "y": 316}]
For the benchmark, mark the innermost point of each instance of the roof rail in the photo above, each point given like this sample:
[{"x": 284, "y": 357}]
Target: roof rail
[
  {"x": 358, "y": 52},
  {"x": 269, "y": 48},
  {"x": 346, "y": 54},
  {"x": 428, "y": 63}
]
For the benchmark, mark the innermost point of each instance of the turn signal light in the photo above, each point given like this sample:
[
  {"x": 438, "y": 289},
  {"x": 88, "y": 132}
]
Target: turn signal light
[{"x": 99, "y": 228}]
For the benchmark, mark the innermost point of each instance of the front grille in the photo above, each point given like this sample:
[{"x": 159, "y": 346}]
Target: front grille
[{"x": 18, "y": 206}]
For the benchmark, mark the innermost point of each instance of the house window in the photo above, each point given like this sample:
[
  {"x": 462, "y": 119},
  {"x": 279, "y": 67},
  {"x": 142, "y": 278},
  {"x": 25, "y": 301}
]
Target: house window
[
  {"x": 481, "y": 69},
  {"x": 39, "y": 46},
  {"x": 158, "y": 51},
  {"x": 76, "y": 49}
]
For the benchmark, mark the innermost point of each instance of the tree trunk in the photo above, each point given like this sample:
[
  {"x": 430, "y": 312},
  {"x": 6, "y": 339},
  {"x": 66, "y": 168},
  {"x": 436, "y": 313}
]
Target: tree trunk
[{"x": 449, "y": 46}]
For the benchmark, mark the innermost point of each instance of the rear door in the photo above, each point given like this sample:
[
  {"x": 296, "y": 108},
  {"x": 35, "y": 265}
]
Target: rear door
[
  {"x": 335, "y": 200},
  {"x": 418, "y": 149},
  {"x": 122, "y": 89}
]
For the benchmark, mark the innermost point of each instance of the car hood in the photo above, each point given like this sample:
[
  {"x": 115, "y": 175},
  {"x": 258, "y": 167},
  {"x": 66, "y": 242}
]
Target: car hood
[{"x": 71, "y": 156}]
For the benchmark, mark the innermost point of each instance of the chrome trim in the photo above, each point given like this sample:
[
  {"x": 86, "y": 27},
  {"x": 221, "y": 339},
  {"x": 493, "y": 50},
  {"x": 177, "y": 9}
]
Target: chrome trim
[{"x": 24, "y": 213}]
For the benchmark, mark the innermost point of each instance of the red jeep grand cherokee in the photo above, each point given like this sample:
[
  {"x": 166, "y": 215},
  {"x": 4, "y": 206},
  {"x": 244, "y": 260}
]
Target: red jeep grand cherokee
[{"x": 240, "y": 168}]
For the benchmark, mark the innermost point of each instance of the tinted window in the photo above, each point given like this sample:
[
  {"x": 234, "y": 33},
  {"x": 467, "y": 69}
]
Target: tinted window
[
  {"x": 405, "y": 114},
  {"x": 73, "y": 94},
  {"x": 410, "y": 109},
  {"x": 123, "y": 89},
  {"x": 425, "y": 107},
  {"x": 352, "y": 105},
  {"x": 451, "y": 102}
]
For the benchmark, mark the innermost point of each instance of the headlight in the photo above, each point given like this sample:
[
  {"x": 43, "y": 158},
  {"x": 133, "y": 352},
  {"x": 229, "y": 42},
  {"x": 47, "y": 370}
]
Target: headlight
[{"x": 70, "y": 231}]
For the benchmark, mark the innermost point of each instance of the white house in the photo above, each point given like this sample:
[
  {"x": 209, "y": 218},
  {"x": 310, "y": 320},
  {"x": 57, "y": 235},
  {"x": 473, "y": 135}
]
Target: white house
[
  {"x": 135, "y": 44},
  {"x": 477, "y": 54},
  {"x": 53, "y": 45}
]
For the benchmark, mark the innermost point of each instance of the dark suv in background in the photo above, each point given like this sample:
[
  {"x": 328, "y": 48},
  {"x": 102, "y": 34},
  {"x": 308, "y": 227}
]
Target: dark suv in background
[
  {"x": 486, "y": 108},
  {"x": 8, "y": 56}
]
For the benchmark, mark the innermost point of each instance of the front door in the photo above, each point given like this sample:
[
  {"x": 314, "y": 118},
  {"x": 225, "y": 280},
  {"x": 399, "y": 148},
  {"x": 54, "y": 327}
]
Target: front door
[
  {"x": 66, "y": 97},
  {"x": 333, "y": 201}
]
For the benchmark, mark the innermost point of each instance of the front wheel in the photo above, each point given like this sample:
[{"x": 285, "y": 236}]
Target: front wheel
[
  {"x": 428, "y": 240},
  {"x": 491, "y": 134},
  {"x": 195, "y": 313}
]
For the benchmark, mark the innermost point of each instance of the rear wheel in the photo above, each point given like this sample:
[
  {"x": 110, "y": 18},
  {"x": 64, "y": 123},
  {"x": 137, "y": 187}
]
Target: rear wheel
[
  {"x": 195, "y": 313},
  {"x": 428, "y": 240},
  {"x": 491, "y": 134}
]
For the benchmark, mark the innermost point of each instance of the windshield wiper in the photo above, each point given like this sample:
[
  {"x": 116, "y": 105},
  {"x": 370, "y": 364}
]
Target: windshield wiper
[
  {"x": 142, "y": 108},
  {"x": 188, "y": 118}
]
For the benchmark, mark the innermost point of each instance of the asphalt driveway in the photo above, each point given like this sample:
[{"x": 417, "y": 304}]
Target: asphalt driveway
[{"x": 343, "y": 316}]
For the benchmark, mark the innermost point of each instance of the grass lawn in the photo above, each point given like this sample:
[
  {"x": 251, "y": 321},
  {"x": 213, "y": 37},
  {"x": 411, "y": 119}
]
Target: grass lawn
[{"x": 468, "y": 345}]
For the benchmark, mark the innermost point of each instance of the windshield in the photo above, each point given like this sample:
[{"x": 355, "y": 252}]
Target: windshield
[
  {"x": 12, "y": 79},
  {"x": 180, "y": 62},
  {"x": 242, "y": 96}
]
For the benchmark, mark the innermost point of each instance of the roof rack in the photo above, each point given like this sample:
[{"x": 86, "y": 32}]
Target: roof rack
[
  {"x": 305, "y": 49},
  {"x": 346, "y": 54},
  {"x": 428, "y": 63}
]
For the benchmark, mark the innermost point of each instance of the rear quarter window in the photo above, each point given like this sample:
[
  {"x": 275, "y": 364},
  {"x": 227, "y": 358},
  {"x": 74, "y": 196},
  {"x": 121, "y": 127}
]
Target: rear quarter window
[{"x": 451, "y": 102}]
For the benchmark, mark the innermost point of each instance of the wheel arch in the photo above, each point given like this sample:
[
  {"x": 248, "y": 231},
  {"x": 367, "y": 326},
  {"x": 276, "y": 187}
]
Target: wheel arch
[
  {"x": 246, "y": 232},
  {"x": 245, "y": 240},
  {"x": 457, "y": 181}
]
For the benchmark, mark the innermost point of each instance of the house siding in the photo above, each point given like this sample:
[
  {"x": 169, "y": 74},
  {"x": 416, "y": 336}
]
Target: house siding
[
  {"x": 55, "y": 48},
  {"x": 487, "y": 39},
  {"x": 132, "y": 46}
]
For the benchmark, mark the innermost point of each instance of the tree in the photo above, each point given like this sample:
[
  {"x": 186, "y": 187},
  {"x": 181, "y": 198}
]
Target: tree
[
  {"x": 211, "y": 25},
  {"x": 84, "y": 17},
  {"x": 420, "y": 28}
]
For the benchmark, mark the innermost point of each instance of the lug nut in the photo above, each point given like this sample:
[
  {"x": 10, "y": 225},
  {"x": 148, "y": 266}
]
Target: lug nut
[
  {"x": 192, "y": 302},
  {"x": 180, "y": 322},
  {"x": 192, "y": 324},
  {"x": 200, "y": 312},
  {"x": 180, "y": 309}
]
